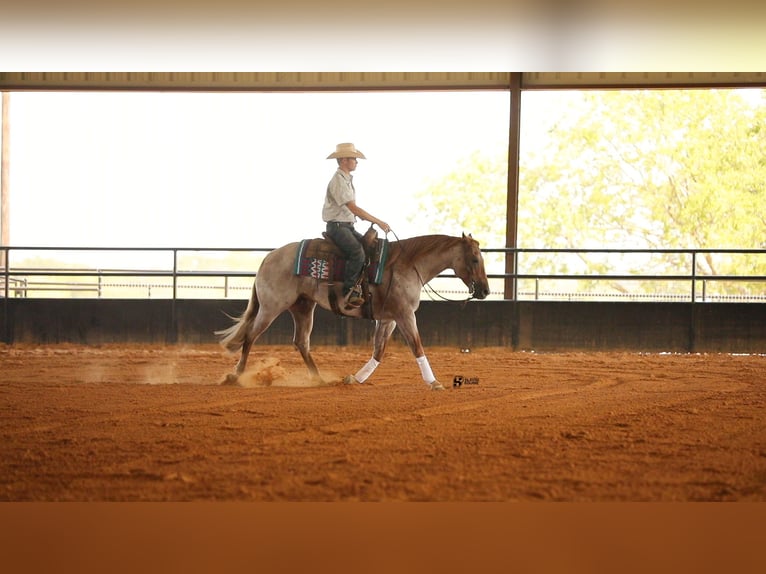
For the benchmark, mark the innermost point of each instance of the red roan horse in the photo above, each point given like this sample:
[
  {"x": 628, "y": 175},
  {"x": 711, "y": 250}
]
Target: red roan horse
[{"x": 411, "y": 264}]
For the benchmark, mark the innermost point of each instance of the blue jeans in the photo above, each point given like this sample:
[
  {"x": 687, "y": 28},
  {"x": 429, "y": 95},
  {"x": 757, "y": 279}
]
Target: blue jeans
[{"x": 350, "y": 243}]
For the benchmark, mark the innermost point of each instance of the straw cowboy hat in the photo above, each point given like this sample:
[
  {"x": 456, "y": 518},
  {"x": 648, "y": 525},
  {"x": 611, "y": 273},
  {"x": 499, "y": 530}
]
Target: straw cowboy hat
[{"x": 346, "y": 150}]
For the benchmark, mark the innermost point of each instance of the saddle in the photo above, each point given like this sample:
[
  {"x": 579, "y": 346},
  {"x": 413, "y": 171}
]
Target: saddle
[{"x": 322, "y": 259}]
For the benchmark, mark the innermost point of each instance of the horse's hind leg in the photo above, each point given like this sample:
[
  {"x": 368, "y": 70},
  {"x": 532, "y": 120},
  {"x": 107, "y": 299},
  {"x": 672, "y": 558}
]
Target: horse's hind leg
[
  {"x": 261, "y": 322},
  {"x": 303, "y": 319}
]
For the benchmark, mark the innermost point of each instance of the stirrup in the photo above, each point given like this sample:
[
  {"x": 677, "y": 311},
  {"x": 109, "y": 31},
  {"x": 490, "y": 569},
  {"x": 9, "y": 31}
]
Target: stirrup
[{"x": 354, "y": 298}]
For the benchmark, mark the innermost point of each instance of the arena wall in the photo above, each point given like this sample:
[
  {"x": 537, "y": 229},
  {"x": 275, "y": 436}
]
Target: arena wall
[{"x": 521, "y": 325}]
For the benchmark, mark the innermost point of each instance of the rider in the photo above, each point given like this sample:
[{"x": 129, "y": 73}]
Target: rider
[{"x": 340, "y": 212}]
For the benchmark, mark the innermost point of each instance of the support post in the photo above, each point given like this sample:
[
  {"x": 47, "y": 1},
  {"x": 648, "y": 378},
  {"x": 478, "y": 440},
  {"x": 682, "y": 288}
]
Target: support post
[
  {"x": 512, "y": 205},
  {"x": 5, "y": 184}
]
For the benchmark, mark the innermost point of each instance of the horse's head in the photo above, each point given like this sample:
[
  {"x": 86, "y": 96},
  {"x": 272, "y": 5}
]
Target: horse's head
[{"x": 470, "y": 268}]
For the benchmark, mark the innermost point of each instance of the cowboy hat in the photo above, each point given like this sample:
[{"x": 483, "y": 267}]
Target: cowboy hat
[{"x": 345, "y": 150}]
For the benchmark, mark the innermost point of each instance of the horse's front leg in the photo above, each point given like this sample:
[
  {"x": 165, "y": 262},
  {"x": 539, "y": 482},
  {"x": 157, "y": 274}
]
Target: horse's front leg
[
  {"x": 409, "y": 329},
  {"x": 383, "y": 330}
]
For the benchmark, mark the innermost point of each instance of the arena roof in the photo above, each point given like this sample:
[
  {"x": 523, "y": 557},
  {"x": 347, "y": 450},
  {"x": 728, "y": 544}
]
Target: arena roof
[{"x": 340, "y": 81}]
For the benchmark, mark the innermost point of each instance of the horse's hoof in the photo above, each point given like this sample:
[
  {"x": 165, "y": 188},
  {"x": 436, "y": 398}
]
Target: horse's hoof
[
  {"x": 232, "y": 380},
  {"x": 350, "y": 380},
  {"x": 436, "y": 386}
]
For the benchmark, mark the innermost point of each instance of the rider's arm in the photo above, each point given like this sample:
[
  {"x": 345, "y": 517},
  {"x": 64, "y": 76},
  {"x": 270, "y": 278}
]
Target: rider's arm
[{"x": 364, "y": 215}]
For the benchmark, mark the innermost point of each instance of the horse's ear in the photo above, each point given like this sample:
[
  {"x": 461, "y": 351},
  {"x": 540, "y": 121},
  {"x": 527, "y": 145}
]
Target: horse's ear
[{"x": 469, "y": 235}]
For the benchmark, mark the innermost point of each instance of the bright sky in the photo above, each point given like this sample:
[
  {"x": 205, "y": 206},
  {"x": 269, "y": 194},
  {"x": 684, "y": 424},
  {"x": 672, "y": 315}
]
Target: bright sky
[{"x": 228, "y": 169}]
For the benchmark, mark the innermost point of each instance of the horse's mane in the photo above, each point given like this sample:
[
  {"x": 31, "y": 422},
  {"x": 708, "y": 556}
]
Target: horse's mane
[{"x": 408, "y": 250}]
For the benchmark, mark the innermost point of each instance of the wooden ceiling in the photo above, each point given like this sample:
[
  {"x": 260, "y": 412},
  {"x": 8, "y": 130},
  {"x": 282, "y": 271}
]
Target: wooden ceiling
[{"x": 351, "y": 81}]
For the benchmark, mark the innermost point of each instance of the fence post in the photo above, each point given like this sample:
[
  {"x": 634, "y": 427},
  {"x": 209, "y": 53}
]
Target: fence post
[
  {"x": 173, "y": 318},
  {"x": 175, "y": 273},
  {"x": 6, "y": 309},
  {"x": 694, "y": 276},
  {"x": 6, "y": 270},
  {"x": 693, "y": 308}
]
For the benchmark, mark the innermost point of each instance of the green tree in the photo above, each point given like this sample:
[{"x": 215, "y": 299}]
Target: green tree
[{"x": 627, "y": 169}]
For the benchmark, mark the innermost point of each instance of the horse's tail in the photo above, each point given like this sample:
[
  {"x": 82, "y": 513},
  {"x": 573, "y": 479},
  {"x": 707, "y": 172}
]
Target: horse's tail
[{"x": 233, "y": 338}]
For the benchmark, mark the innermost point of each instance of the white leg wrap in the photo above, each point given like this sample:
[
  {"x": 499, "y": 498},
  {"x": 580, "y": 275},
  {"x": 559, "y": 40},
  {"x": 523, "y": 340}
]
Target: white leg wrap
[
  {"x": 425, "y": 370},
  {"x": 367, "y": 370}
]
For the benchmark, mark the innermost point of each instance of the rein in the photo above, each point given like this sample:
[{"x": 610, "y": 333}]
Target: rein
[{"x": 428, "y": 289}]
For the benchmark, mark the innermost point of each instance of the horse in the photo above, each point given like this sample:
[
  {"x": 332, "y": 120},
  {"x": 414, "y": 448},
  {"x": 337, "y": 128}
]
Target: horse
[{"x": 411, "y": 263}]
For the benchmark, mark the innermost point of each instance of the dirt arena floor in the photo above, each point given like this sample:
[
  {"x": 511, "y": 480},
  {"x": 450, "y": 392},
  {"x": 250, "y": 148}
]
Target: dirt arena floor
[{"x": 151, "y": 423}]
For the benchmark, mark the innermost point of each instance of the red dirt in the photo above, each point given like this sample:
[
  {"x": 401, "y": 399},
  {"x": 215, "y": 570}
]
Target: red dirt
[{"x": 151, "y": 423}]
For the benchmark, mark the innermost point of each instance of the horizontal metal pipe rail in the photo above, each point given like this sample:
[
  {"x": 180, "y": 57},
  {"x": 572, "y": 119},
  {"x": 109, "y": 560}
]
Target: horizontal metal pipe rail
[{"x": 11, "y": 274}]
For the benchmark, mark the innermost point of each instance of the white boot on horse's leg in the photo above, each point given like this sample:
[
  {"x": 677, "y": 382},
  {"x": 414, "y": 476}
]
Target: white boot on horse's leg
[
  {"x": 428, "y": 374},
  {"x": 364, "y": 373}
]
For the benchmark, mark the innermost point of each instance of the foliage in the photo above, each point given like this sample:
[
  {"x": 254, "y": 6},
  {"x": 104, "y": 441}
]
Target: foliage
[{"x": 653, "y": 169}]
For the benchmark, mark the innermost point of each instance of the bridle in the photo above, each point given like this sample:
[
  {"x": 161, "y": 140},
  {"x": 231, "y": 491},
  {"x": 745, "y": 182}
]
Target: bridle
[{"x": 430, "y": 290}]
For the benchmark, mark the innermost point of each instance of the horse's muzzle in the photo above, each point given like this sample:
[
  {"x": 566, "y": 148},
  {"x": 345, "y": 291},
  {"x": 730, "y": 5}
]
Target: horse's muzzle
[{"x": 479, "y": 291}]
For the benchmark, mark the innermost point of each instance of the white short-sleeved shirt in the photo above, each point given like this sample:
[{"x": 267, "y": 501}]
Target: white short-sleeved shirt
[{"x": 340, "y": 191}]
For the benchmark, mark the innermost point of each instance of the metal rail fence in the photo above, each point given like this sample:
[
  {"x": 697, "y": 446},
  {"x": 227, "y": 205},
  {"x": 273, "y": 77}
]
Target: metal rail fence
[{"x": 175, "y": 273}]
